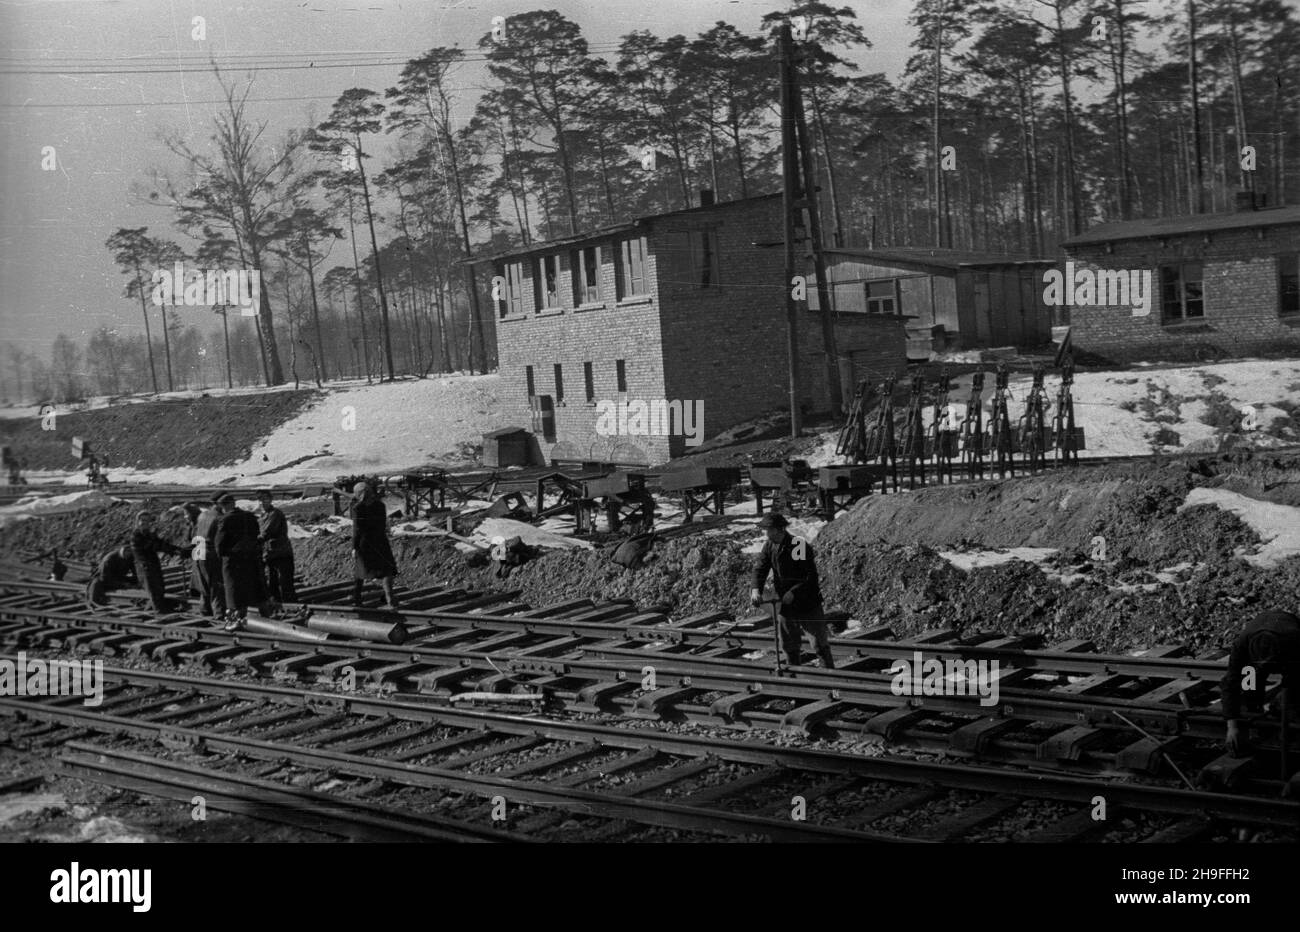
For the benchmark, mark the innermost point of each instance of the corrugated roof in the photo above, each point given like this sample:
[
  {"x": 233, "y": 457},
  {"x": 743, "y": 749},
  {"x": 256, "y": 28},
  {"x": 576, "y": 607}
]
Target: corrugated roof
[
  {"x": 1180, "y": 226},
  {"x": 932, "y": 259},
  {"x": 606, "y": 231}
]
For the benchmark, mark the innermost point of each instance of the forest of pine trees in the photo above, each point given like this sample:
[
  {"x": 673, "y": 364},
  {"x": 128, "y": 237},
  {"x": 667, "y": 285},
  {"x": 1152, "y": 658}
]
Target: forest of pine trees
[{"x": 1015, "y": 124}]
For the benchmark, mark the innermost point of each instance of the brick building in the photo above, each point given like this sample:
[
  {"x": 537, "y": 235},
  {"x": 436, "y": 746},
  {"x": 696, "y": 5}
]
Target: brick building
[
  {"x": 686, "y": 306},
  {"x": 950, "y": 298},
  {"x": 1223, "y": 284}
]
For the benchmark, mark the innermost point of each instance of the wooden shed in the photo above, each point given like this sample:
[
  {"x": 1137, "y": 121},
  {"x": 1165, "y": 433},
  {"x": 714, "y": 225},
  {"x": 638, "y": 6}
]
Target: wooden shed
[{"x": 949, "y": 298}]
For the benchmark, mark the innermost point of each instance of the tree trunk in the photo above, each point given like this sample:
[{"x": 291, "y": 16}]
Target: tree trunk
[
  {"x": 1198, "y": 201},
  {"x": 379, "y": 272},
  {"x": 148, "y": 340}
]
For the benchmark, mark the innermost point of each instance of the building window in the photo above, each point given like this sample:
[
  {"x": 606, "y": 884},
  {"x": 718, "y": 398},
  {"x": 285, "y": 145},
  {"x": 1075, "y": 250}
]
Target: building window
[
  {"x": 559, "y": 383},
  {"x": 631, "y": 279},
  {"x": 589, "y": 377},
  {"x": 704, "y": 258},
  {"x": 620, "y": 371},
  {"x": 528, "y": 377},
  {"x": 1180, "y": 291},
  {"x": 880, "y": 298},
  {"x": 546, "y": 285},
  {"x": 586, "y": 275},
  {"x": 1288, "y": 284},
  {"x": 512, "y": 301}
]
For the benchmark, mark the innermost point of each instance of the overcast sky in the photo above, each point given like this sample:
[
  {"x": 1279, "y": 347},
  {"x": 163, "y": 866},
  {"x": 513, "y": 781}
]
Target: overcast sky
[{"x": 55, "y": 273}]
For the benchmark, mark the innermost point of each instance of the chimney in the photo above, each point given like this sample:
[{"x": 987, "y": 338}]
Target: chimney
[
  {"x": 706, "y": 197},
  {"x": 1245, "y": 201}
]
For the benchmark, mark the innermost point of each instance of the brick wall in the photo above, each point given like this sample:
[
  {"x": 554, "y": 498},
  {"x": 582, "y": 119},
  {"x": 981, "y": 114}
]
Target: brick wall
[
  {"x": 599, "y": 334},
  {"x": 1240, "y": 295},
  {"x": 724, "y": 344}
]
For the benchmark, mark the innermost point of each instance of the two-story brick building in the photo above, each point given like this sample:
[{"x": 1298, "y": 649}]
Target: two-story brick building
[
  {"x": 1224, "y": 284},
  {"x": 688, "y": 306}
]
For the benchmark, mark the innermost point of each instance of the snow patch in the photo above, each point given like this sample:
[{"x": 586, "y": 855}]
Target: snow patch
[{"x": 1277, "y": 525}]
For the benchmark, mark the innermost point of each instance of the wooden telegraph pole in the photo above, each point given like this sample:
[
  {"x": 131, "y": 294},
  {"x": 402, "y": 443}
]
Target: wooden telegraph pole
[{"x": 790, "y": 184}]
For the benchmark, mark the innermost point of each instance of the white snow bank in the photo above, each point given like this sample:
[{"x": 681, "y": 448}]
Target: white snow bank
[
  {"x": 1277, "y": 525},
  {"x": 971, "y": 559},
  {"x": 35, "y": 506},
  {"x": 359, "y": 428}
]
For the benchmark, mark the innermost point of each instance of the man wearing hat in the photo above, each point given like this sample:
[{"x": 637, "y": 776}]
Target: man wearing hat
[
  {"x": 372, "y": 557},
  {"x": 145, "y": 547},
  {"x": 212, "y": 588},
  {"x": 794, "y": 577},
  {"x": 277, "y": 552},
  {"x": 241, "y": 561}
]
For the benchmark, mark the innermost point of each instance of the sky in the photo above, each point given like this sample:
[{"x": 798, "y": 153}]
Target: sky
[{"x": 56, "y": 274}]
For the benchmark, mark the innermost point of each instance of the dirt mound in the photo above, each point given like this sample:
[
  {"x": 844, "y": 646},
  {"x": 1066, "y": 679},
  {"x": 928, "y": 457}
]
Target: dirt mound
[
  {"x": 89, "y": 534},
  {"x": 199, "y": 432},
  {"x": 1135, "y": 510}
]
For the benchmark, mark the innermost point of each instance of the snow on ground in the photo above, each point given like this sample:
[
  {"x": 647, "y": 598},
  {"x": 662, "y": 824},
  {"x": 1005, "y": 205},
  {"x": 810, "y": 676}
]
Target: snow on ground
[
  {"x": 34, "y": 506},
  {"x": 1277, "y": 525},
  {"x": 970, "y": 559},
  {"x": 359, "y": 428},
  {"x": 1110, "y": 430}
]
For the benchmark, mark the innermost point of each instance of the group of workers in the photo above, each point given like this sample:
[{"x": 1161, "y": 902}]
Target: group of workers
[
  {"x": 237, "y": 560},
  {"x": 241, "y": 559}
]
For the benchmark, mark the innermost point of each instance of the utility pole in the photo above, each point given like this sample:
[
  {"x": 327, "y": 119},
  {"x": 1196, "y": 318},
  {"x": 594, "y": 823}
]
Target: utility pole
[
  {"x": 789, "y": 186},
  {"x": 834, "y": 396}
]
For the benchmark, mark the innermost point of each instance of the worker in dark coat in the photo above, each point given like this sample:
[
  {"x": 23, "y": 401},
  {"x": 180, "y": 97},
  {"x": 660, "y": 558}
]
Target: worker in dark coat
[
  {"x": 1270, "y": 643},
  {"x": 372, "y": 556},
  {"x": 241, "y": 561},
  {"x": 794, "y": 577},
  {"x": 116, "y": 570},
  {"x": 145, "y": 547},
  {"x": 212, "y": 586},
  {"x": 277, "y": 552}
]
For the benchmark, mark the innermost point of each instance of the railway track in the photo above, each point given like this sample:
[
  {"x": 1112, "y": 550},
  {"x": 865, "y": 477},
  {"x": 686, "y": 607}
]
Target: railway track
[
  {"x": 1061, "y": 708},
  {"x": 536, "y": 777}
]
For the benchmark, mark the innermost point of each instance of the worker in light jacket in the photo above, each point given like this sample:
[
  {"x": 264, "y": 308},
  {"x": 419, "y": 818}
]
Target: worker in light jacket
[{"x": 793, "y": 567}]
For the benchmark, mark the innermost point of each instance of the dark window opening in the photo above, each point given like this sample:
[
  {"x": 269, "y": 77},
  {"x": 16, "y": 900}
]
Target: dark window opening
[
  {"x": 559, "y": 383},
  {"x": 620, "y": 372},
  {"x": 1181, "y": 294},
  {"x": 631, "y": 269},
  {"x": 528, "y": 377},
  {"x": 1288, "y": 284},
  {"x": 880, "y": 298},
  {"x": 546, "y": 286},
  {"x": 586, "y": 275},
  {"x": 589, "y": 378},
  {"x": 704, "y": 258}
]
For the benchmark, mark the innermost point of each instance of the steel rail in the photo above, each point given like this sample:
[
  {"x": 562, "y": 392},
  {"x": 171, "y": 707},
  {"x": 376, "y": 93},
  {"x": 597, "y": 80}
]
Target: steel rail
[
  {"x": 1044, "y": 660},
  {"x": 852, "y": 688},
  {"x": 265, "y": 799},
  {"x": 1256, "y": 810}
]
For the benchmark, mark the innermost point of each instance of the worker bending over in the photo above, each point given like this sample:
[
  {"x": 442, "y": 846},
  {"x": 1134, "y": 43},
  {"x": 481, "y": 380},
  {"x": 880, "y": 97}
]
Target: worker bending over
[{"x": 1270, "y": 643}]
